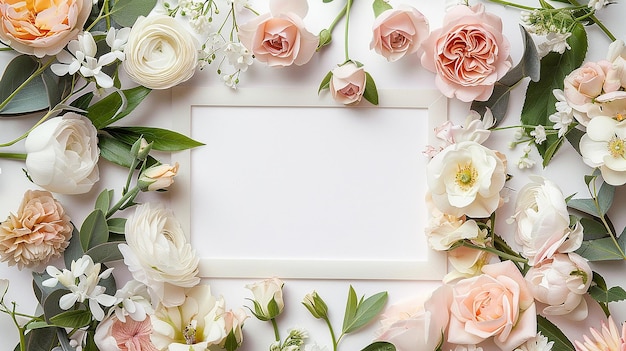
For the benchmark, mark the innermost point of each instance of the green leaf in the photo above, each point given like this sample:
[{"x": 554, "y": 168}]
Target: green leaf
[
  {"x": 41, "y": 339},
  {"x": 371, "y": 93},
  {"x": 37, "y": 325},
  {"x": 72, "y": 319},
  {"x": 134, "y": 97},
  {"x": 162, "y": 139},
  {"x": 57, "y": 88},
  {"x": 613, "y": 294},
  {"x": 106, "y": 252},
  {"x": 125, "y": 12},
  {"x": 64, "y": 340},
  {"x": 32, "y": 97},
  {"x": 325, "y": 82},
  {"x": 51, "y": 304},
  {"x": 539, "y": 103},
  {"x": 104, "y": 110},
  {"x": 552, "y": 147},
  {"x": 573, "y": 135},
  {"x": 94, "y": 230},
  {"x": 553, "y": 333},
  {"x": 605, "y": 197},
  {"x": 593, "y": 228},
  {"x": 380, "y": 6},
  {"x": 587, "y": 206},
  {"x": 600, "y": 250},
  {"x": 103, "y": 202},
  {"x": 115, "y": 151},
  {"x": 351, "y": 306},
  {"x": 116, "y": 225},
  {"x": 380, "y": 346},
  {"x": 366, "y": 311}
]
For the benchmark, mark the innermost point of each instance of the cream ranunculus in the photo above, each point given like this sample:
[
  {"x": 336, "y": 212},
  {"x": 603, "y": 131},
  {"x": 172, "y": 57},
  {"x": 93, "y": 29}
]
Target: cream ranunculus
[
  {"x": 193, "y": 326},
  {"x": 44, "y": 27},
  {"x": 267, "y": 298},
  {"x": 604, "y": 146},
  {"x": 399, "y": 32},
  {"x": 469, "y": 53},
  {"x": 158, "y": 254},
  {"x": 495, "y": 304},
  {"x": 40, "y": 230},
  {"x": 543, "y": 222},
  {"x": 347, "y": 83},
  {"x": 160, "y": 52},
  {"x": 466, "y": 178},
  {"x": 280, "y": 38},
  {"x": 417, "y": 323},
  {"x": 62, "y": 154},
  {"x": 561, "y": 282}
]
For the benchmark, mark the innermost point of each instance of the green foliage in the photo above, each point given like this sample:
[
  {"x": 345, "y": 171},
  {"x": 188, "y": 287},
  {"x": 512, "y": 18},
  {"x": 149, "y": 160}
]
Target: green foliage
[
  {"x": 162, "y": 139},
  {"x": 40, "y": 339},
  {"x": 614, "y": 294},
  {"x": 74, "y": 250},
  {"x": 380, "y": 346},
  {"x": 325, "y": 82},
  {"x": 103, "y": 202},
  {"x": 105, "y": 252},
  {"x": 116, "y": 225},
  {"x": 539, "y": 103},
  {"x": 553, "y": 333},
  {"x": 380, "y": 6},
  {"x": 371, "y": 93},
  {"x": 32, "y": 97},
  {"x": 116, "y": 106},
  {"x": 94, "y": 230},
  {"x": 361, "y": 312},
  {"x": 115, "y": 151},
  {"x": 125, "y": 12},
  {"x": 600, "y": 250},
  {"x": 72, "y": 319}
]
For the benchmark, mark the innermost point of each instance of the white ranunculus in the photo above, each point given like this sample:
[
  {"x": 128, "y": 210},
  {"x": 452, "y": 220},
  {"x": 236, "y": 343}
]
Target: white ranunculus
[
  {"x": 543, "y": 222},
  {"x": 160, "y": 52},
  {"x": 561, "y": 282},
  {"x": 604, "y": 146},
  {"x": 158, "y": 254},
  {"x": 194, "y": 325},
  {"x": 62, "y": 154},
  {"x": 466, "y": 178}
]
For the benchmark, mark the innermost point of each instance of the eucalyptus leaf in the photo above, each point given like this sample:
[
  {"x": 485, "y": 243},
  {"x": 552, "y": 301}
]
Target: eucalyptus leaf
[
  {"x": 94, "y": 230},
  {"x": 41, "y": 339},
  {"x": 366, "y": 311},
  {"x": 116, "y": 225},
  {"x": 57, "y": 88},
  {"x": 600, "y": 250},
  {"x": 498, "y": 103},
  {"x": 41, "y": 292},
  {"x": 587, "y": 206},
  {"x": 553, "y": 333},
  {"x": 614, "y": 294},
  {"x": 103, "y": 202},
  {"x": 380, "y": 6},
  {"x": 371, "y": 93},
  {"x": 72, "y": 319},
  {"x": 64, "y": 340},
  {"x": 105, "y": 252},
  {"x": 74, "y": 250},
  {"x": 125, "y": 12},
  {"x": 605, "y": 197},
  {"x": 593, "y": 228},
  {"x": 51, "y": 304},
  {"x": 32, "y": 97},
  {"x": 380, "y": 346},
  {"x": 162, "y": 139}
]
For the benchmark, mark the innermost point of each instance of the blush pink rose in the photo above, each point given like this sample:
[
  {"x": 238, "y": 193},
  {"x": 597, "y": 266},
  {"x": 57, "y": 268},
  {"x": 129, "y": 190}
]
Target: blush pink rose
[
  {"x": 585, "y": 83},
  {"x": 496, "y": 304},
  {"x": 469, "y": 54},
  {"x": 280, "y": 38},
  {"x": 42, "y": 27},
  {"x": 347, "y": 84},
  {"x": 115, "y": 335},
  {"x": 399, "y": 32}
]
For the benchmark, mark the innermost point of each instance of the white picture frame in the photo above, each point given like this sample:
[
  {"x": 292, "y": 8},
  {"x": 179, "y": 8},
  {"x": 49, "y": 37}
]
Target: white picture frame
[{"x": 189, "y": 105}]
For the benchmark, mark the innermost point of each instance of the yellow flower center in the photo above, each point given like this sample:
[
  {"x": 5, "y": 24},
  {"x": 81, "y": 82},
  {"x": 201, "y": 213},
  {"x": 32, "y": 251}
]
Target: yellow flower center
[
  {"x": 466, "y": 176},
  {"x": 616, "y": 147},
  {"x": 620, "y": 117}
]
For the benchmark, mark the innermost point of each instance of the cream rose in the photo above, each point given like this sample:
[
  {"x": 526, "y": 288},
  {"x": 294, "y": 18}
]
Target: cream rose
[
  {"x": 399, "y": 32},
  {"x": 543, "y": 222},
  {"x": 268, "y": 298},
  {"x": 233, "y": 321},
  {"x": 40, "y": 230},
  {"x": 44, "y": 27},
  {"x": 279, "y": 38},
  {"x": 417, "y": 323},
  {"x": 494, "y": 304},
  {"x": 604, "y": 146},
  {"x": 158, "y": 254},
  {"x": 469, "y": 54},
  {"x": 465, "y": 179},
  {"x": 160, "y": 52},
  {"x": 158, "y": 177},
  {"x": 62, "y": 154},
  {"x": 561, "y": 282},
  {"x": 347, "y": 83},
  {"x": 444, "y": 230}
]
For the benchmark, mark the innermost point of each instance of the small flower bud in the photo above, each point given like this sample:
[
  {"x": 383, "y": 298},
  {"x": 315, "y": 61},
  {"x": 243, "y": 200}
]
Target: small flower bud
[
  {"x": 314, "y": 303},
  {"x": 157, "y": 177}
]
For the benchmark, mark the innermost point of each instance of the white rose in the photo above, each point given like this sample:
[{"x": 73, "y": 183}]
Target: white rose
[
  {"x": 604, "y": 146},
  {"x": 268, "y": 298},
  {"x": 561, "y": 283},
  {"x": 617, "y": 56},
  {"x": 543, "y": 222},
  {"x": 466, "y": 178},
  {"x": 160, "y": 52},
  {"x": 62, "y": 154},
  {"x": 444, "y": 230},
  {"x": 158, "y": 255}
]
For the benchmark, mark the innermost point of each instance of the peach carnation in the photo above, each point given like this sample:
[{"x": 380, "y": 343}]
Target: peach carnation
[{"x": 38, "y": 232}]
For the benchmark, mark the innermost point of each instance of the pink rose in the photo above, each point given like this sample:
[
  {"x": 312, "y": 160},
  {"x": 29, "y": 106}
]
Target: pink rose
[
  {"x": 469, "y": 54},
  {"x": 495, "y": 304},
  {"x": 398, "y": 32},
  {"x": 416, "y": 324},
  {"x": 279, "y": 38},
  {"x": 585, "y": 83},
  {"x": 347, "y": 84},
  {"x": 115, "y": 335},
  {"x": 43, "y": 27}
]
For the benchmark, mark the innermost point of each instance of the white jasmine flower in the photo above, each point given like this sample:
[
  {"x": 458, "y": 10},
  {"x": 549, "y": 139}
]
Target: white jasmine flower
[
  {"x": 538, "y": 343},
  {"x": 93, "y": 68},
  {"x": 132, "y": 300},
  {"x": 238, "y": 56},
  {"x": 230, "y": 80},
  {"x": 525, "y": 162},
  {"x": 519, "y": 134},
  {"x": 116, "y": 39},
  {"x": 556, "y": 42},
  {"x": 539, "y": 134},
  {"x": 561, "y": 122}
]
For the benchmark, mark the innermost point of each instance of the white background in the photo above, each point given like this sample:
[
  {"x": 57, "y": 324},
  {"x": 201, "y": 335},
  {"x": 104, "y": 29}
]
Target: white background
[{"x": 405, "y": 74}]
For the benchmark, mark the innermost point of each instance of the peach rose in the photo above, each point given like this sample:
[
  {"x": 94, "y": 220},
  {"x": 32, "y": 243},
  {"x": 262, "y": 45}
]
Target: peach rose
[
  {"x": 469, "y": 54},
  {"x": 494, "y": 304},
  {"x": 38, "y": 232},
  {"x": 399, "y": 32},
  {"x": 43, "y": 27},
  {"x": 347, "y": 84},
  {"x": 585, "y": 83},
  {"x": 157, "y": 177},
  {"x": 279, "y": 38}
]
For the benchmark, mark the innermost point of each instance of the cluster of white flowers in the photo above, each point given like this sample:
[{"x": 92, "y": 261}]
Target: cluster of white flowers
[
  {"x": 564, "y": 115},
  {"x": 539, "y": 343},
  {"x": 599, "y": 4}
]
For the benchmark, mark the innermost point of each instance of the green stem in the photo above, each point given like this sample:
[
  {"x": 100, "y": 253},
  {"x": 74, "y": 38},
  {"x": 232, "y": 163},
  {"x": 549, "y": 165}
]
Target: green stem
[
  {"x": 347, "y": 32},
  {"x": 506, "y": 3},
  {"x": 124, "y": 201},
  {"x": 332, "y": 334},
  {"x": 506, "y": 256},
  {"x": 338, "y": 18},
  {"x": 596, "y": 21},
  {"x": 594, "y": 195},
  {"x": 275, "y": 326},
  {"x": 37, "y": 72},
  {"x": 13, "y": 156}
]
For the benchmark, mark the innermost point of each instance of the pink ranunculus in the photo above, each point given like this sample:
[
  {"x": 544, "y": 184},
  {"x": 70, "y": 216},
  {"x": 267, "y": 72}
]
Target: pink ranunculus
[
  {"x": 280, "y": 38},
  {"x": 399, "y": 32},
  {"x": 42, "y": 27},
  {"x": 496, "y": 304},
  {"x": 417, "y": 324},
  {"x": 469, "y": 54},
  {"x": 347, "y": 84},
  {"x": 115, "y": 335}
]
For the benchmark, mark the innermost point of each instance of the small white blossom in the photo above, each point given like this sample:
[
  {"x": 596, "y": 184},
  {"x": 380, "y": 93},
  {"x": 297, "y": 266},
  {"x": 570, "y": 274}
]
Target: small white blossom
[
  {"x": 598, "y": 4},
  {"x": 132, "y": 300},
  {"x": 556, "y": 42},
  {"x": 238, "y": 56},
  {"x": 538, "y": 343},
  {"x": 116, "y": 39},
  {"x": 539, "y": 134}
]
